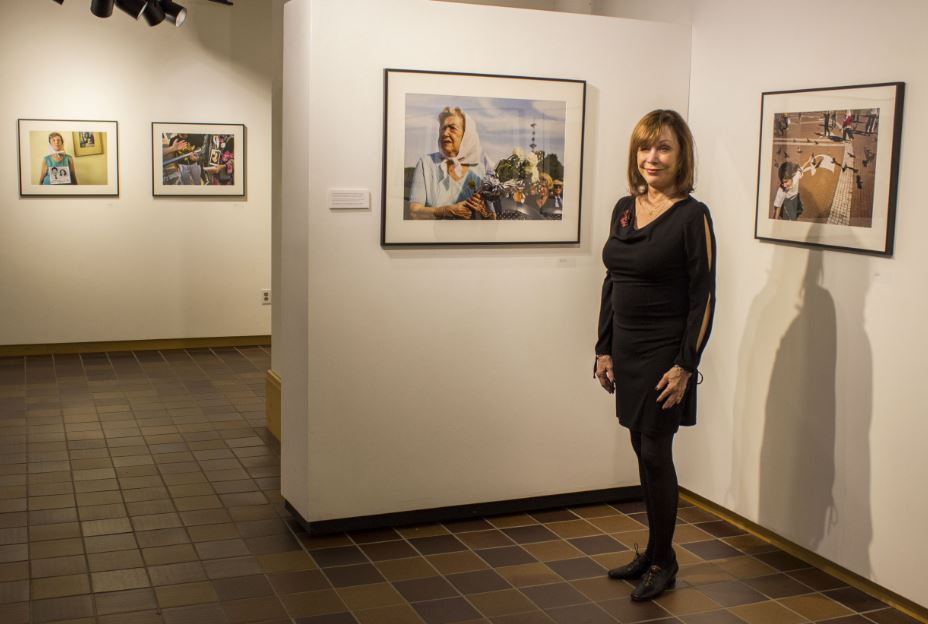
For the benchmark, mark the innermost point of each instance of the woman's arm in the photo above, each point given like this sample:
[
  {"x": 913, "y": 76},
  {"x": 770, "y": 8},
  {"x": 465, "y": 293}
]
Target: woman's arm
[
  {"x": 699, "y": 244},
  {"x": 43, "y": 172}
]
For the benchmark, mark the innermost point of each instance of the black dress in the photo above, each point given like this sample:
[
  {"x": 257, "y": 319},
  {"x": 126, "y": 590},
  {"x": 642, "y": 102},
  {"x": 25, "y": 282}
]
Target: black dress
[{"x": 657, "y": 305}]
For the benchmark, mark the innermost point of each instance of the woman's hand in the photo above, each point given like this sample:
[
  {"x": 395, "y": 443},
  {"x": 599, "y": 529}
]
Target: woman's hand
[
  {"x": 604, "y": 373},
  {"x": 476, "y": 204},
  {"x": 459, "y": 210},
  {"x": 673, "y": 386}
]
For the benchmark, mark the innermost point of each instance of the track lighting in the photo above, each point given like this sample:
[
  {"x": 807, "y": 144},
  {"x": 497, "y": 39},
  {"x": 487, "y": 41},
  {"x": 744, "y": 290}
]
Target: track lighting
[
  {"x": 133, "y": 7},
  {"x": 101, "y": 8},
  {"x": 174, "y": 12},
  {"x": 154, "y": 11}
]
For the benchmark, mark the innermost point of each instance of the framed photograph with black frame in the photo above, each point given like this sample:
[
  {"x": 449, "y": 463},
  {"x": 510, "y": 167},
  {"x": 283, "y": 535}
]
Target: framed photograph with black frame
[
  {"x": 197, "y": 159},
  {"x": 481, "y": 159},
  {"x": 828, "y": 167},
  {"x": 68, "y": 157}
]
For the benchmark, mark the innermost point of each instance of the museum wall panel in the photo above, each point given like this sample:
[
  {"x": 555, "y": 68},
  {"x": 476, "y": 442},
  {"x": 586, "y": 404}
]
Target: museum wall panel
[
  {"x": 812, "y": 419},
  {"x": 75, "y": 269},
  {"x": 446, "y": 376}
]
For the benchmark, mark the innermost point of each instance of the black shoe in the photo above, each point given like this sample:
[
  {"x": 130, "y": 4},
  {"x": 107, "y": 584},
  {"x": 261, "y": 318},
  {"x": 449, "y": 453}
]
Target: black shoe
[
  {"x": 634, "y": 570},
  {"x": 655, "y": 581}
]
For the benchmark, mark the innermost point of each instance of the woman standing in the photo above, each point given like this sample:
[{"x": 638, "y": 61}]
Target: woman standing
[
  {"x": 655, "y": 317},
  {"x": 58, "y": 165}
]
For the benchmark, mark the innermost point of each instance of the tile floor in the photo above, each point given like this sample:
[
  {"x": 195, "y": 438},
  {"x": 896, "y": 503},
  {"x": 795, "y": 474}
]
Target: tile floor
[{"x": 142, "y": 488}]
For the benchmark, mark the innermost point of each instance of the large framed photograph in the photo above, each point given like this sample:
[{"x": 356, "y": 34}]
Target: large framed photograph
[
  {"x": 195, "y": 159},
  {"x": 478, "y": 159},
  {"x": 68, "y": 157},
  {"x": 828, "y": 166}
]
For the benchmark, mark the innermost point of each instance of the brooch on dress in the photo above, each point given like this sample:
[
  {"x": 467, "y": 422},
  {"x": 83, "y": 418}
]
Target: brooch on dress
[{"x": 625, "y": 218}]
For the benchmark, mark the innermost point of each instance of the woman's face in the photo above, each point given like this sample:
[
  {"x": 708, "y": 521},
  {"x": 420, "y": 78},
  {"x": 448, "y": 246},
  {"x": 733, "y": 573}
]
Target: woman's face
[
  {"x": 56, "y": 142},
  {"x": 658, "y": 163},
  {"x": 450, "y": 135}
]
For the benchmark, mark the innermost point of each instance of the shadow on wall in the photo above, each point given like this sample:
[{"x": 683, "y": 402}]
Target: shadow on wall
[{"x": 805, "y": 438}]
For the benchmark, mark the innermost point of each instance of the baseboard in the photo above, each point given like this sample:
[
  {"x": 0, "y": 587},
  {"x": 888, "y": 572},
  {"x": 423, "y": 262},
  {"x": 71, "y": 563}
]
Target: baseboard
[
  {"x": 466, "y": 512},
  {"x": 158, "y": 344},
  {"x": 272, "y": 403},
  {"x": 853, "y": 579}
]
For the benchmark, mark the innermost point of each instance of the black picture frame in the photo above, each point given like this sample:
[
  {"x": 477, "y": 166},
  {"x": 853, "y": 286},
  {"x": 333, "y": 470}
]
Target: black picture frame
[
  {"x": 828, "y": 167},
  {"x": 198, "y": 183},
  {"x": 515, "y": 116}
]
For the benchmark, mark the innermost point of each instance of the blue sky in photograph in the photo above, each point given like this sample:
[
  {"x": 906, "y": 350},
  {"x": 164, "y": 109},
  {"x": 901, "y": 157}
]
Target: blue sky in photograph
[{"x": 502, "y": 123}]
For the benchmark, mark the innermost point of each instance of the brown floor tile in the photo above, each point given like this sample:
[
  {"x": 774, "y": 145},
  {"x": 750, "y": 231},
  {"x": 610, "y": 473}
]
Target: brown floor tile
[
  {"x": 260, "y": 609},
  {"x": 125, "y": 601},
  {"x": 553, "y": 595},
  {"x": 14, "y": 591},
  {"x": 437, "y": 544},
  {"x": 686, "y": 601},
  {"x": 815, "y": 606},
  {"x": 162, "y": 555},
  {"x": 346, "y": 576},
  {"x": 197, "y": 614},
  {"x": 58, "y": 566},
  {"x": 17, "y": 571},
  {"x": 294, "y": 582},
  {"x": 57, "y": 609},
  {"x": 891, "y": 616},
  {"x": 484, "y": 539},
  {"x": 236, "y": 566},
  {"x": 817, "y": 579},
  {"x": 732, "y": 593},
  {"x": 598, "y": 544},
  {"x": 107, "y": 543},
  {"x": 161, "y": 537},
  {"x": 587, "y": 613},
  {"x": 370, "y": 596},
  {"x": 505, "y": 602},
  {"x": 396, "y": 614},
  {"x": 478, "y": 582},
  {"x": 137, "y": 617},
  {"x": 115, "y": 560},
  {"x": 784, "y": 562},
  {"x": 744, "y": 567},
  {"x": 118, "y": 580},
  {"x": 513, "y": 520},
  {"x": 282, "y": 562},
  {"x": 577, "y": 568},
  {"x": 530, "y": 534},
  {"x": 506, "y": 556},
  {"x": 445, "y": 611},
  {"x": 380, "y": 551},
  {"x": 429, "y": 588},
  {"x": 212, "y": 532},
  {"x": 552, "y": 551},
  {"x": 403, "y": 569},
  {"x": 175, "y": 573},
  {"x": 713, "y": 617},
  {"x": 527, "y": 574},
  {"x": 313, "y": 603},
  {"x": 453, "y": 563},
  {"x": 14, "y": 613},
  {"x": 749, "y": 544},
  {"x": 221, "y": 549},
  {"x": 56, "y": 548},
  {"x": 768, "y": 612},
  {"x": 185, "y": 594},
  {"x": 711, "y": 549},
  {"x": 532, "y": 617},
  {"x": 242, "y": 587}
]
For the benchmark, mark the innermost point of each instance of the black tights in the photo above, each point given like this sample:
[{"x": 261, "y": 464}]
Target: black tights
[{"x": 659, "y": 488}]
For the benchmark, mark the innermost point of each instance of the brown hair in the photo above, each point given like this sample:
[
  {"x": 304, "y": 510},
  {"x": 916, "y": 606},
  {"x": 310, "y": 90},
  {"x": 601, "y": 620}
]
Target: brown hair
[
  {"x": 55, "y": 134},
  {"x": 646, "y": 133}
]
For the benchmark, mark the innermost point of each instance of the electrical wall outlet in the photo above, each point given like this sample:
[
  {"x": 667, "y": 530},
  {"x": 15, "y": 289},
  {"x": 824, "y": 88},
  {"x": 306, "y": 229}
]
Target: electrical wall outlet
[{"x": 266, "y": 297}]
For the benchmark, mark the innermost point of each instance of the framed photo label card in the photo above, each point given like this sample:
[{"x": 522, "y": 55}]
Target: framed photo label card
[
  {"x": 828, "y": 167},
  {"x": 193, "y": 159},
  {"x": 68, "y": 157},
  {"x": 477, "y": 159}
]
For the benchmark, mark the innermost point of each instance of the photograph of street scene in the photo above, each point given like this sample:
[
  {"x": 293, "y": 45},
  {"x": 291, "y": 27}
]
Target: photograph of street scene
[{"x": 822, "y": 166}]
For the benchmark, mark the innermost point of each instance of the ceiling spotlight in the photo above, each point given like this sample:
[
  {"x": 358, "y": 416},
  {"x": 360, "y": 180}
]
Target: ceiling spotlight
[
  {"x": 226, "y": 2},
  {"x": 132, "y": 7},
  {"x": 101, "y": 8},
  {"x": 153, "y": 13},
  {"x": 60, "y": 1},
  {"x": 174, "y": 12}
]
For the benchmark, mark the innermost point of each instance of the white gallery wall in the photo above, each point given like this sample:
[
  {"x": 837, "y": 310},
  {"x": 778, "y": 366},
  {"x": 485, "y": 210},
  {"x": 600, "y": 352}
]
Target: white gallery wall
[
  {"x": 420, "y": 378},
  {"x": 134, "y": 266},
  {"x": 813, "y": 421}
]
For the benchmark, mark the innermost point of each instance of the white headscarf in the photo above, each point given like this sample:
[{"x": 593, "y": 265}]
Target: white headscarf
[{"x": 470, "y": 152}]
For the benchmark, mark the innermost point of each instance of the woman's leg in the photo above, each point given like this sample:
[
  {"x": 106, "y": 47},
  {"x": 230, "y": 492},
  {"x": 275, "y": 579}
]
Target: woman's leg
[
  {"x": 655, "y": 460},
  {"x": 643, "y": 476}
]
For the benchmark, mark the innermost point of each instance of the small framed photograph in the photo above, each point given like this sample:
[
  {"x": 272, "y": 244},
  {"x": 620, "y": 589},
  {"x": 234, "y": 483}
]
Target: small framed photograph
[
  {"x": 477, "y": 159},
  {"x": 68, "y": 157},
  {"x": 828, "y": 167},
  {"x": 194, "y": 159}
]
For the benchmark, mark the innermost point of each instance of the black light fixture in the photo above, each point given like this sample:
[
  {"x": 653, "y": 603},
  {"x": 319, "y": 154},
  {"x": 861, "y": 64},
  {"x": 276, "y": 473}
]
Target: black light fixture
[
  {"x": 153, "y": 13},
  {"x": 175, "y": 13},
  {"x": 133, "y": 7},
  {"x": 101, "y": 8}
]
